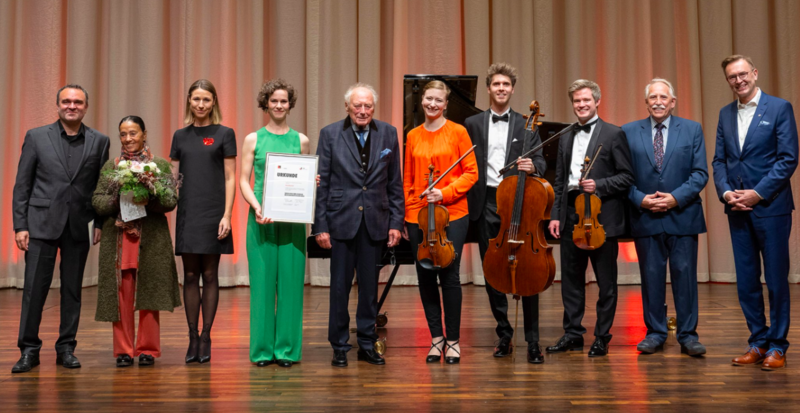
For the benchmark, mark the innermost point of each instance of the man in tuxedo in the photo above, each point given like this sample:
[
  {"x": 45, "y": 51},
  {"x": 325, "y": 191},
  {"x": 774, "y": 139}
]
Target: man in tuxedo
[
  {"x": 668, "y": 155},
  {"x": 52, "y": 205},
  {"x": 609, "y": 179},
  {"x": 755, "y": 157},
  {"x": 359, "y": 208},
  {"x": 500, "y": 136}
]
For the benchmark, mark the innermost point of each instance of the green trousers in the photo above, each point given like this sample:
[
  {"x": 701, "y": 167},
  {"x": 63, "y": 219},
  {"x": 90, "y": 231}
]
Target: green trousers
[{"x": 277, "y": 256}]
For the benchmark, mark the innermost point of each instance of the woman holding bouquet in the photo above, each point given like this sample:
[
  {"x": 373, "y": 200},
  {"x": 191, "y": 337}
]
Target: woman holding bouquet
[
  {"x": 276, "y": 251},
  {"x": 204, "y": 152},
  {"x": 137, "y": 268}
]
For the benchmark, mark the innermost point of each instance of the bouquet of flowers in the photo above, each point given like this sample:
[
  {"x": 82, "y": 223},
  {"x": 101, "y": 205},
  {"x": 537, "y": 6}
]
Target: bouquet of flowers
[{"x": 143, "y": 179}]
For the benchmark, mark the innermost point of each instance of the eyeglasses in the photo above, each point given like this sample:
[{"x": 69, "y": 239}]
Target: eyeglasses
[{"x": 736, "y": 77}]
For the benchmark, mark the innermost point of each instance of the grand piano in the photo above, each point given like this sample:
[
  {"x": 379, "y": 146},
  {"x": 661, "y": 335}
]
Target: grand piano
[{"x": 461, "y": 105}]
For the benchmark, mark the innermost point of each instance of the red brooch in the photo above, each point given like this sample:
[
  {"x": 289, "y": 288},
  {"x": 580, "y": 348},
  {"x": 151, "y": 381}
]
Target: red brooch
[{"x": 208, "y": 141}]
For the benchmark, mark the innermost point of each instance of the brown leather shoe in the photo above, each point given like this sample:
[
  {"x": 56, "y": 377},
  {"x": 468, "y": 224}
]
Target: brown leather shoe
[
  {"x": 776, "y": 359},
  {"x": 754, "y": 355}
]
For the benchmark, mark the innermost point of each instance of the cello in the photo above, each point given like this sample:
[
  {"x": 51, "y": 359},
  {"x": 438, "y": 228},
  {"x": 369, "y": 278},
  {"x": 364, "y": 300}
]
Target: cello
[
  {"x": 519, "y": 261},
  {"x": 588, "y": 233}
]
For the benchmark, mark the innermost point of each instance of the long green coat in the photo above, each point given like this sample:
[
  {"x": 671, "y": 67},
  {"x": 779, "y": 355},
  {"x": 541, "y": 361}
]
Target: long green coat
[{"x": 157, "y": 278}]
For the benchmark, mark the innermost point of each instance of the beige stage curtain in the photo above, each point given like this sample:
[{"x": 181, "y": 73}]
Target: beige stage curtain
[{"x": 139, "y": 57}]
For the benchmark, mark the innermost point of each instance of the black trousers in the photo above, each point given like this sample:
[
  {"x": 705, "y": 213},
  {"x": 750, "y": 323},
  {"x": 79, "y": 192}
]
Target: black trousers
[
  {"x": 449, "y": 278},
  {"x": 40, "y": 262},
  {"x": 574, "y": 262},
  {"x": 488, "y": 227},
  {"x": 362, "y": 254}
]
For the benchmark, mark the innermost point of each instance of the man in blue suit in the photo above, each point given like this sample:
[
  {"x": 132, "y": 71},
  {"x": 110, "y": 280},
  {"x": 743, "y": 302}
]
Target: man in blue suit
[
  {"x": 359, "y": 206},
  {"x": 755, "y": 158},
  {"x": 668, "y": 155}
]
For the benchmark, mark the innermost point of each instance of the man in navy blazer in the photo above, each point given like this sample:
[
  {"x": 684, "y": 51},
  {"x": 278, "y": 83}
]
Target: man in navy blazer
[
  {"x": 668, "y": 155},
  {"x": 755, "y": 158},
  {"x": 359, "y": 205}
]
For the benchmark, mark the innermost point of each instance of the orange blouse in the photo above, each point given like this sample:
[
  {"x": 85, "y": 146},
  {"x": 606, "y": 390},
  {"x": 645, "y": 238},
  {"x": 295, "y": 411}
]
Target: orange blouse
[{"x": 442, "y": 148}]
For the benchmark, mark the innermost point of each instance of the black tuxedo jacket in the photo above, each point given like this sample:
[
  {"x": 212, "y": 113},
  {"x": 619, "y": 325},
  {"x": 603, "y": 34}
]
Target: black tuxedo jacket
[
  {"x": 44, "y": 194},
  {"x": 518, "y": 141},
  {"x": 612, "y": 173}
]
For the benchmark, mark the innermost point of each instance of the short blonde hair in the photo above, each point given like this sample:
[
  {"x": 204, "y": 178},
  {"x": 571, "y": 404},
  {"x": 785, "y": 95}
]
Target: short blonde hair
[
  {"x": 584, "y": 84},
  {"x": 216, "y": 112},
  {"x": 437, "y": 84},
  {"x": 736, "y": 57}
]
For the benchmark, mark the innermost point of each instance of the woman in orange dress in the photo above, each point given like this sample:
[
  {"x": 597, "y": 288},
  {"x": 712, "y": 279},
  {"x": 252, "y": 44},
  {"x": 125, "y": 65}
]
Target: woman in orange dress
[{"x": 439, "y": 142}]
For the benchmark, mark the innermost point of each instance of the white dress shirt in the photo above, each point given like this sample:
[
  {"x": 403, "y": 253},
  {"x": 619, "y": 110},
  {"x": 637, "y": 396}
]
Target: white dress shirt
[
  {"x": 746, "y": 113},
  {"x": 579, "y": 146},
  {"x": 496, "y": 151}
]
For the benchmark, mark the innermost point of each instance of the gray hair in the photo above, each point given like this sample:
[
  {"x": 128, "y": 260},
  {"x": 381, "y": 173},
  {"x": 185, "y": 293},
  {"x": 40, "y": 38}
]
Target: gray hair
[
  {"x": 659, "y": 80},
  {"x": 72, "y": 86},
  {"x": 358, "y": 85},
  {"x": 583, "y": 84}
]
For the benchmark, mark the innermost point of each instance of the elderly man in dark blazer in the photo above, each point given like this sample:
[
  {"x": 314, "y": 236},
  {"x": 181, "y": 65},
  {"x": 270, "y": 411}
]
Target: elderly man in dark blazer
[
  {"x": 668, "y": 155},
  {"x": 609, "y": 179},
  {"x": 755, "y": 158},
  {"x": 359, "y": 209},
  {"x": 52, "y": 203}
]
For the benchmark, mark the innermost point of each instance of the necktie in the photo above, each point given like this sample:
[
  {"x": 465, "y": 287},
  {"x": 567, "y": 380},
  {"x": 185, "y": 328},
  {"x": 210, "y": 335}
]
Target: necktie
[
  {"x": 496, "y": 118},
  {"x": 658, "y": 146},
  {"x": 361, "y": 137},
  {"x": 584, "y": 128}
]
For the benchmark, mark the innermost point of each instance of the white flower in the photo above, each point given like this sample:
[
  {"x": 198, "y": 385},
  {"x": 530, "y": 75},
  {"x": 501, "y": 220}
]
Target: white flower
[
  {"x": 137, "y": 167},
  {"x": 153, "y": 167},
  {"x": 123, "y": 164}
]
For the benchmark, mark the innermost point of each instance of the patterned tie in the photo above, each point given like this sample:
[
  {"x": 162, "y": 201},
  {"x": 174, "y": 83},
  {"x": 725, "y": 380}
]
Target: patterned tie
[
  {"x": 361, "y": 138},
  {"x": 658, "y": 146}
]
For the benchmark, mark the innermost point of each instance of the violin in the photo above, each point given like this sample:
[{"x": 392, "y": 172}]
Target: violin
[
  {"x": 588, "y": 233},
  {"x": 519, "y": 261},
  {"x": 435, "y": 250}
]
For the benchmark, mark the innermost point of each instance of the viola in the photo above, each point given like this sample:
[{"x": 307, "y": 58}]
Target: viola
[
  {"x": 588, "y": 233},
  {"x": 435, "y": 251},
  {"x": 518, "y": 260}
]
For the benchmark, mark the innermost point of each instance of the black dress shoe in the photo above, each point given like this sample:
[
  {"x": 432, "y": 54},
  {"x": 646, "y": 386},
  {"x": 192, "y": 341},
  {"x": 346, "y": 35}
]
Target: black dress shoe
[
  {"x": 25, "y": 363},
  {"x": 339, "y": 358},
  {"x": 194, "y": 344},
  {"x": 535, "y": 354},
  {"x": 566, "y": 344},
  {"x": 436, "y": 358},
  {"x": 264, "y": 363},
  {"x": 124, "y": 360},
  {"x": 371, "y": 357},
  {"x": 504, "y": 347},
  {"x": 146, "y": 360},
  {"x": 599, "y": 348},
  {"x": 285, "y": 363},
  {"x": 452, "y": 359},
  {"x": 204, "y": 350},
  {"x": 68, "y": 360}
]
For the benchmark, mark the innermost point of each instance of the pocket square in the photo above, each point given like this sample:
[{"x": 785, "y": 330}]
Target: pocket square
[
  {"x": 385, "y": 152},
  {"x": 763, "y": 122},
  {"x": 514, "y": 140}
]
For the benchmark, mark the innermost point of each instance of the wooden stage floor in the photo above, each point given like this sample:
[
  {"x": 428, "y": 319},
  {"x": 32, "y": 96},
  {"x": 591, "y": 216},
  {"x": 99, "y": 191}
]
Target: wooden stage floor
[{"x": 625, "y": 380}]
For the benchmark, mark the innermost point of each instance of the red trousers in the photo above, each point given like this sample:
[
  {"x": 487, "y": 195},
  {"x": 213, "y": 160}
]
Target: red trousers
[{"x": 149, "y": 339}]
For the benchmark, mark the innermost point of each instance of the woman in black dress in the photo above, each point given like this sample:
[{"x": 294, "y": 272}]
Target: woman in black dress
[{"x": 204, "y": 152}]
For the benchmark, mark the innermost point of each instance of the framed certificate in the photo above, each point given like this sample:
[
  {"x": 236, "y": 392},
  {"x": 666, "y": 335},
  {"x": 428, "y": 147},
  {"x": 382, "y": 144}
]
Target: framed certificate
[{"x": 290, "y": 188}]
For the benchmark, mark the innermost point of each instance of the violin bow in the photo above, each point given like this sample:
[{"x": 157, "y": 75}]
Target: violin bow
[{"x": 448, "y": 170}]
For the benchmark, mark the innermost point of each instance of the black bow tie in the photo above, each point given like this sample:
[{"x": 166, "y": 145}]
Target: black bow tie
[
  {"x": 584, "y": 128},
  {"x": 496, "y": 118}
]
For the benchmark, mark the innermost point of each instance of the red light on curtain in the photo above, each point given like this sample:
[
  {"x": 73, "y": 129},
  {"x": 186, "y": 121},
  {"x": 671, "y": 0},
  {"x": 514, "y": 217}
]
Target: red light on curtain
[{"x": 628, "y": 251}]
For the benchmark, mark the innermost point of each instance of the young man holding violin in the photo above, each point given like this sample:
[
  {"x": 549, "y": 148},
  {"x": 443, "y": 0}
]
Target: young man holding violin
[
  {"x": 610, "y": 178},
  {"x": 500, "y": 136}
]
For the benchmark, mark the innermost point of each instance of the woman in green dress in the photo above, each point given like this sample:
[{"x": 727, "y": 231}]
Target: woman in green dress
[{"x": 276, "y": 251}]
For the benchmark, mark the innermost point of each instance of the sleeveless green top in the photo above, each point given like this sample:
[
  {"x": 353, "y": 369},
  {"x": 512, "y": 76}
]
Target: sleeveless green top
[{"x": 266, "y": 142}]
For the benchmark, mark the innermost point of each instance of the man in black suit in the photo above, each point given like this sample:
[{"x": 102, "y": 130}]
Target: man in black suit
[
  {"x": 359, "y": 206},
  {"x": 500, "y": 136},
  {"x": 52, "y": 204},
  {"x": 609, "y": 179}
]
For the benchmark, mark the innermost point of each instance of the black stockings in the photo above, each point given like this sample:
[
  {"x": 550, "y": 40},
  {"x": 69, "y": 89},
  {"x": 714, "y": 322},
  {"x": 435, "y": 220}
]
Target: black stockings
[{"x": 194, "y": 267}]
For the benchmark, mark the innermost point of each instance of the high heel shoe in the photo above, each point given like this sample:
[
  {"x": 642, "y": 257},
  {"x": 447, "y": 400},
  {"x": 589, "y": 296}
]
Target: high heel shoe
[
  {"x": 452, "y": 360},
  {"x": 194, "y": 342},
  {"x": 204, "y": 352},
  {"x": 432, "y": 358}
]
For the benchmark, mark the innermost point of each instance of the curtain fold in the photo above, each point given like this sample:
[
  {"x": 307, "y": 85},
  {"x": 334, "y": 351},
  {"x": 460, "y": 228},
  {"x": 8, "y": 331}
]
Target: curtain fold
[{"x": 139, "y": 57}]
